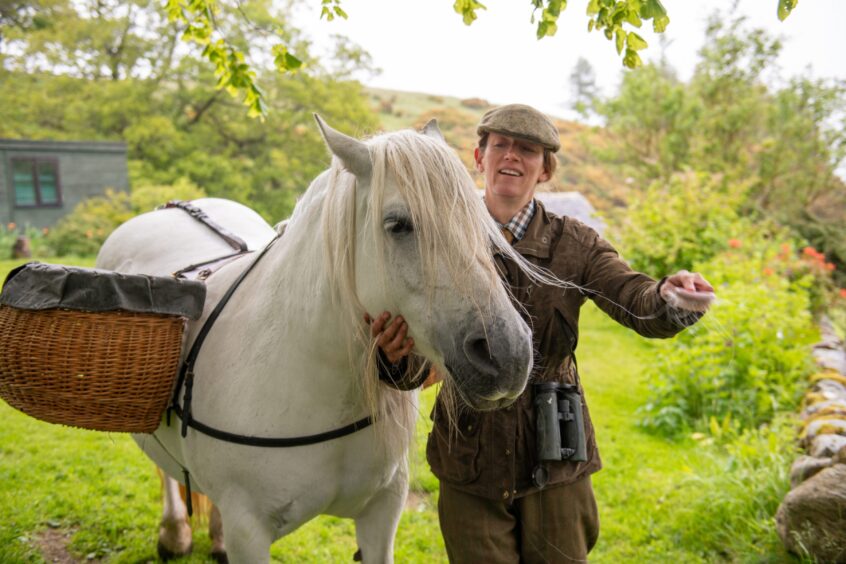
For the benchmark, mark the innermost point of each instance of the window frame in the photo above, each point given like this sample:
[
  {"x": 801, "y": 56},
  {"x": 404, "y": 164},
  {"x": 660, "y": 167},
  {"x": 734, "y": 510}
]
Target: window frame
[{"x": 34, "y": 162}]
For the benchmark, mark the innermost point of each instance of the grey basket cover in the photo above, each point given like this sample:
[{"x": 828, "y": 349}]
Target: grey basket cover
[{"x": 37, "y": 286}]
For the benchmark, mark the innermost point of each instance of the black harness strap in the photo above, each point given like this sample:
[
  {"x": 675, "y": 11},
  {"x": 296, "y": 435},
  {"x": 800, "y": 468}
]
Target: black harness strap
[
  {"x": 233, "y": 240},
  {"x": 186, "y": 379}
]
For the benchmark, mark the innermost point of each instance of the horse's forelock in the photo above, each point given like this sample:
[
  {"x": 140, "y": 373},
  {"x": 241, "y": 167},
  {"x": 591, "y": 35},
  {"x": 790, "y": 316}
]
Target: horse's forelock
[{"x": 452, "y": 227}]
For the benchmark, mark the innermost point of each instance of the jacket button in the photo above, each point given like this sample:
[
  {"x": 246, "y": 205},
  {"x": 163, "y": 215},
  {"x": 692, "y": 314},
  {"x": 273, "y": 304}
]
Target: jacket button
[
  {"x": 507, "y": 452},
  {"x": 505, "y": 494},
  {"x": 469, "y": 428}
]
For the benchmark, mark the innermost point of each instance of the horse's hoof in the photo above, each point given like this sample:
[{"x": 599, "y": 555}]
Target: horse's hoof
[
  {"x": 220, "y": 557},
  {"x": 166, "y": 554},
  {"x": 357, "y": 556}
]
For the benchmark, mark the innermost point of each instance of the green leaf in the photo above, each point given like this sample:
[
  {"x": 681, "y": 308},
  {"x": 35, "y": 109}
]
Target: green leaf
[
  {"x": 659, "y": 25},
  {"x": 632, "y": 59},
  {"x": 340, "y": 12},
  {"x": 652, "y": 9},
  {"x": 467, "y": 9},
  {"x": 633, "y": 18},
  {"x": 785, "y": 7},
  {"x": 592, "y": 7},
  {"x": 620, "y": 40},
  {"x": 635, "y": 42}
]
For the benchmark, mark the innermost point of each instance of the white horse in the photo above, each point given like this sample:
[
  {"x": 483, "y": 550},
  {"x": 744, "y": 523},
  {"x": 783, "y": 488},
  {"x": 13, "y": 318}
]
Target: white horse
[{"x": 395, "y": 224}]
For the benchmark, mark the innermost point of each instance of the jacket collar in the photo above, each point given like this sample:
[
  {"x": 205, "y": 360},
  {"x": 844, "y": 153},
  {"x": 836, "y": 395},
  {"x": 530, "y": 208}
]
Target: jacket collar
[{"x": 537, "y": 241}]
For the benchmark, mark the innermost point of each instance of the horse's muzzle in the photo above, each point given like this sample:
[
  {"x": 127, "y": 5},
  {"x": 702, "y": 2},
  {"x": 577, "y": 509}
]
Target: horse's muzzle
[{"x": 490, "y": 365}]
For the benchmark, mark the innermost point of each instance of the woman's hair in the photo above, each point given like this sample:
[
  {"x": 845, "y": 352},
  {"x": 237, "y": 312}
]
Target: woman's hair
[{"x": 549, "y": 160}]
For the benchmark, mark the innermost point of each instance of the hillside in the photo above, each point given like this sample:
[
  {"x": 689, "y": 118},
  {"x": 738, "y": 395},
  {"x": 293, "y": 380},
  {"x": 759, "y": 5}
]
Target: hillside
[{"x": 579, "y": 168}]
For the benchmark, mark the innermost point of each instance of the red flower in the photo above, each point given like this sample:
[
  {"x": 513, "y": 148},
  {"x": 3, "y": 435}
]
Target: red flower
[
  {"x": 768, "y": 271},
  {"x": 843, "y": 292},
  {"x": 734, "y": 243}
]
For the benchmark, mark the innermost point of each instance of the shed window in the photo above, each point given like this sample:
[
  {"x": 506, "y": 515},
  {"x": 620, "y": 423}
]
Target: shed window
[{"x": 36, "y": 183}]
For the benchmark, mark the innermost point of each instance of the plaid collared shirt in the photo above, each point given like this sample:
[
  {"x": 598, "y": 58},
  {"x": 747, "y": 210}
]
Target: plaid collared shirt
[{"x": 520, "y": 222}]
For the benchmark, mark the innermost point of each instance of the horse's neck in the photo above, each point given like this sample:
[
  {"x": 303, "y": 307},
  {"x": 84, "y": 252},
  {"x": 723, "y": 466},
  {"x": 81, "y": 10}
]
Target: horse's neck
[{"x": 293, "y": 298}]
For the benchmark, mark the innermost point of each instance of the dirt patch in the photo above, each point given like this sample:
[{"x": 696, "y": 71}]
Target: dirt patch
[{"x": 53, "y": 544}]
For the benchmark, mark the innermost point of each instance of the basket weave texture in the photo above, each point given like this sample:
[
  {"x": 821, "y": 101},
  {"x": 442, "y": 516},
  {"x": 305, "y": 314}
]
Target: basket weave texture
[{"x": 107, "y": 371}]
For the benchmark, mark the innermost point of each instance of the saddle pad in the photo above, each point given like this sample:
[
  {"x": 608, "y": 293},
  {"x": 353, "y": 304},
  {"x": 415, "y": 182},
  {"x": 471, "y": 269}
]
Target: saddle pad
[{"x": 38, "y": 286}]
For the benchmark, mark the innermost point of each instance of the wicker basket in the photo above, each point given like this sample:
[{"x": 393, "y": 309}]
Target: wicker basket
[
  {"x": 110, "y": 371},
  {"x": 104, "y": 370}
]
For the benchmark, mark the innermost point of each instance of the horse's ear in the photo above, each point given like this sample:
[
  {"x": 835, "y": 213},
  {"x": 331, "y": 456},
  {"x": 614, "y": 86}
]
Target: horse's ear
[
  {"x": 352, "y": 152},
  {"x": 431, "y": 129}
]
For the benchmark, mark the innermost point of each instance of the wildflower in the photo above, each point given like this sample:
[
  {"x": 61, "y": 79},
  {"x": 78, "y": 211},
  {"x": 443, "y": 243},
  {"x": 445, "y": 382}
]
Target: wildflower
[
  {"x": 785, "y": 248},
  {"x": 89, "y": 234},
  {"x": 11, "y": 226},
  {"x": 814, "y": 254},
  {"x": 45, "y": 231},
  {"x": 829, "y": 266},
  {"x": 768, "y": 271},
  {"x": 734, "y": 243},
  {"x": 843, "y": 292}
]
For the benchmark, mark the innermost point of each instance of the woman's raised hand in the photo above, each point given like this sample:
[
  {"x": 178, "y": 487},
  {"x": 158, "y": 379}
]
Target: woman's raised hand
[
  {"x": 392, "y": 338},
  {"x": 688, "y": 291}
]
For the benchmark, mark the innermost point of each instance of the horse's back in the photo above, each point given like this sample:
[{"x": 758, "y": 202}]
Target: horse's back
[{"x": 163, "y": 241}]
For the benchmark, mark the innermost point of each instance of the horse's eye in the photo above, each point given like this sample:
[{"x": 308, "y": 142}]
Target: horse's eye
[{"x": 398, "y": 226}]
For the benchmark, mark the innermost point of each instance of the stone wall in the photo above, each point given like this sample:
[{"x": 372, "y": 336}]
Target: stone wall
[{"x": 811, "y": 519}]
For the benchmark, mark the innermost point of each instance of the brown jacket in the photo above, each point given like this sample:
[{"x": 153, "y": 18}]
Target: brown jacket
[{"x": 494, "y": 453}]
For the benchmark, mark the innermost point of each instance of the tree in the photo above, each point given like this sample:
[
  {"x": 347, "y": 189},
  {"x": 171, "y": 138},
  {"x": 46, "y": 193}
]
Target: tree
[
  {"x": 177, "y": 124},
  {"x": 583, "y": 86},
  {"x": 203, "y": 22},
  {"x": 782, "y": 140}
]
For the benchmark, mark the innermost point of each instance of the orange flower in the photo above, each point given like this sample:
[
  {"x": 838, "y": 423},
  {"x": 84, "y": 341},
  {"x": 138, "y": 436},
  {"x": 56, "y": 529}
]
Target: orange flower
[
  {"x": 768, "y": 271},
  {"x": 45, "y": 231},
  {"x": 843, "y": 292},
  {"x": 829, "y": 266},
  {"x": 11, "y": 226},
  {"x": 734, "y": 243},
  {"x": 811, "y": 252},
  {"x": 785, "y": 248}
]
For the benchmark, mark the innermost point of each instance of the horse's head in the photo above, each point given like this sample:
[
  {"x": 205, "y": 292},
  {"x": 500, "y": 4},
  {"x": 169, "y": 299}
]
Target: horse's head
[{"x": 423, "y": 247}]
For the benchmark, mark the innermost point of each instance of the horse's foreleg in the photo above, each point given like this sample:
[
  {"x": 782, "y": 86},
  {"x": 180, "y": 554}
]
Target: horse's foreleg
[
  {"x": 248, "y": 538},
  {"x": 376, "y": 525},
  {"x": 216, "y": 535},
  {"x": 174, "y": 530}
]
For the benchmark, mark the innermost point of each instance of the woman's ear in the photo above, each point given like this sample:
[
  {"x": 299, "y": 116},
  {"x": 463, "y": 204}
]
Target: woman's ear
[{"x": 477, "y": 155}]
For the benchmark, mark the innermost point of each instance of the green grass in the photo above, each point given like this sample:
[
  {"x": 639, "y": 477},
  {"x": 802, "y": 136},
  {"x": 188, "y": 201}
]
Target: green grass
[{"x": 659, "y": 500}]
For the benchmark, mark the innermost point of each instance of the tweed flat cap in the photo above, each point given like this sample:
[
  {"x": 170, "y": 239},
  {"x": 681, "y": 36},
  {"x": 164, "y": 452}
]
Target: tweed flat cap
[{"x": 524, "y": 122}]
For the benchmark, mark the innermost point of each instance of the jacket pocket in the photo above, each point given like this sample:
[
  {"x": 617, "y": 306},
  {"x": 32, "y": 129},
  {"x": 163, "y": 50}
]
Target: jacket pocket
[{"x": 454, "y": 457}]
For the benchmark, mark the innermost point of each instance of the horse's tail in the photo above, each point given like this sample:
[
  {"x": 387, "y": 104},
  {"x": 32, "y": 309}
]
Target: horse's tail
[{"x": 201, "y": 505}]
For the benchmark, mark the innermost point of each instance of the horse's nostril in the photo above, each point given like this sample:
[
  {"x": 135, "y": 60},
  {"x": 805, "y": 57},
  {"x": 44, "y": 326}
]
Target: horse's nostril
[{"x": 479, "y": 354}]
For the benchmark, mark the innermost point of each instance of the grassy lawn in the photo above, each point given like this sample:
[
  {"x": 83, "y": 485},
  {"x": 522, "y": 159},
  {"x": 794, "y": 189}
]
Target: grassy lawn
[{"x": 660, "y": 501}]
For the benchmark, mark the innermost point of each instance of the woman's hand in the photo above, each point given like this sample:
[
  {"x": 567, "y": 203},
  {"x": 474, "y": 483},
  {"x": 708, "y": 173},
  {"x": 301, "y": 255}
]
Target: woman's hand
[
  {"x": 390, "y": 337},
  {"x": 688, "y": 291}
]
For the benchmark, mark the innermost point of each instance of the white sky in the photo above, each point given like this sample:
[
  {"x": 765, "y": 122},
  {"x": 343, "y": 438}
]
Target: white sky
[{"x": 423, "y": 45}]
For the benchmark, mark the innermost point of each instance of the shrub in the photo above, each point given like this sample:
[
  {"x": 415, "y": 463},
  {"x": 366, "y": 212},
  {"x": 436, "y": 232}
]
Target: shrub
[
  {"x": 746, "y": 360},
  {"x": 745, "y": 482},
  {"x": 10, "y": 232},
  {"x": 83, "y": 231},
  {"x": 681, "y": 222}
]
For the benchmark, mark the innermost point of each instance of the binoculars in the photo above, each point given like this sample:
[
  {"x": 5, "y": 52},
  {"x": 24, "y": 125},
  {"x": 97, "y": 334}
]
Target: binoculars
[{"x": 560, "y": 426}]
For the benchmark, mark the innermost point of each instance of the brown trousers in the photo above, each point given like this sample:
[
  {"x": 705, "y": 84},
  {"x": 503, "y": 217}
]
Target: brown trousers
[{"x": 557, "y": 524}]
